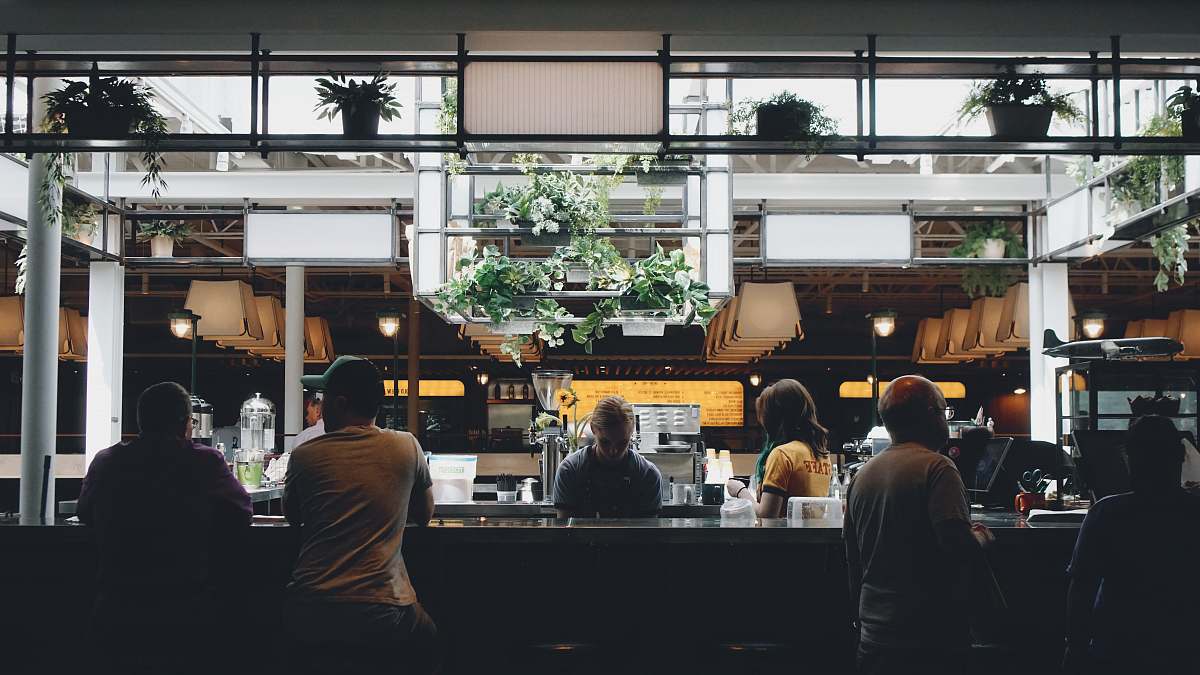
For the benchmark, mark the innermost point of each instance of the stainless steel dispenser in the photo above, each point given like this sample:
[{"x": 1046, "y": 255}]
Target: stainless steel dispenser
[
  {"x": 668, "y": 435},
  {"x": 202, "y": 421},
  {"x": 547, "y": 384},
  {"x": 258, "y": 424}
]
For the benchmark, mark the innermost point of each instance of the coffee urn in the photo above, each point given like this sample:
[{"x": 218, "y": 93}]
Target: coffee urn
[
  {"x": 202, "y": 421},
  {"x": 258, "y": 424}
]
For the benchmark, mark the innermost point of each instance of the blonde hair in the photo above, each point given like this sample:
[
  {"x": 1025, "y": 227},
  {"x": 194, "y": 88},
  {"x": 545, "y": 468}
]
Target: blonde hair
[{"x": 612, "y": 413}]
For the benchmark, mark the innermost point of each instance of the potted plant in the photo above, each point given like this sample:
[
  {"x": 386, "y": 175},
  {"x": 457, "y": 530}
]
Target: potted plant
[
  {"x": 1170, "y": 249},
  {"x": 990, "y": 239},
  {"x": 360, "y": 104},
  {"x": 658, "y": 171},
  {"x": 162, "y": 235},
  {"x": 1018, "y": 107},
  {"x": 79, "y": 221},
  {"x": 1137, "y": 185},
  {"x": 783, "y": 117},
  {"x": 107, "y": 107},
  {"x": 554, "y": 206},
  {"x": 1184, "y": 105}
]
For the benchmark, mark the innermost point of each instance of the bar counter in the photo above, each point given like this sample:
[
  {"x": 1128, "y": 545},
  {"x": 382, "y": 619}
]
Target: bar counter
[{"x": 497, "y": 584}]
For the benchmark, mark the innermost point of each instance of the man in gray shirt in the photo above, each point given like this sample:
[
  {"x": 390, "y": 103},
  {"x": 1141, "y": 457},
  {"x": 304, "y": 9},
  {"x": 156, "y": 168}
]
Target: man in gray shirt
[
  {"x": 351, "y": 492},
  {"x": 909, "y": 541}
]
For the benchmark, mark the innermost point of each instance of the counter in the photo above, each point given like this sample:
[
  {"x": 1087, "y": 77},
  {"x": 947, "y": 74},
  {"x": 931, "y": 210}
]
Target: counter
[{"x": 497, "y": 584}]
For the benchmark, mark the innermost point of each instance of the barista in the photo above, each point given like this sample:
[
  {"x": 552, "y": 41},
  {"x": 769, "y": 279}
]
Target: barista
[
  {"x": 606, "y": 479},
  {"x": 313, "y": 420}
]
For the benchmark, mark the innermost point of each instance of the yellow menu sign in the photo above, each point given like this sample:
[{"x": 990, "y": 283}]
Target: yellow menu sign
[
  {"x": 721, "y": 401},
  {"x": 429, "y": 388}
]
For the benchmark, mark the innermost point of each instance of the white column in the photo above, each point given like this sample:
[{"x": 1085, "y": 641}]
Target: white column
[
  {"x": 425, "y": 248},
  {"x": 39, "y": 384},
  {"x": 1191, "y": 175},
  {"x": 106, "y": 356},
  {"x": 293, "y": 363},
  {"x": 1049, "y": 308}
]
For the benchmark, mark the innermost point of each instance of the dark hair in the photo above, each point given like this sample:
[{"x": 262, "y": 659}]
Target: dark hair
[
  {"x": 787, "y": 413},
  {"x": 163, "y": 407},
  {"x": 360, "y": 383},
  {"x": 1155, "y": 449}
]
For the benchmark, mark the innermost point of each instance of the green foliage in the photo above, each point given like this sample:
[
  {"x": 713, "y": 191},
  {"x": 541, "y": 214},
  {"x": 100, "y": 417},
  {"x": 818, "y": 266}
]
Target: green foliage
[
  {"x": 79, "y": 217},
  {"x": 1012, "y": 90},
  {"x": 337, "y": 94},
  {"x": 1183, "y": 100},
  {"x": 991, "y": 280},
  {"x": 498, "y": 287},
  {"x": 1136, "y": 186},
  {"x": 550, "y": 203},
  {"x": 447, "y": 123},
  {"x": 106, "y": 98},
  {"x": 175, "y": 229},
  {"x": 1170, "y": 247},
  {"x": 814, "y": 125}
]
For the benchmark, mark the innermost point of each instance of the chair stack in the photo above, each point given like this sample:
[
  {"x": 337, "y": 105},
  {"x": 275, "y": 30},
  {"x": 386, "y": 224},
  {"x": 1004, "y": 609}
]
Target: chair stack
[
  {"x": 990, "y": 327},
  {"x": 761, "y": 318}
]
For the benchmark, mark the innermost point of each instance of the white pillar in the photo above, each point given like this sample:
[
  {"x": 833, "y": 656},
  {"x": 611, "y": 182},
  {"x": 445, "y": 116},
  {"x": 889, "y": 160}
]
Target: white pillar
[
  {"x": 1191, "y": 175},
  {"x": 106, "y": 356},
  {"x": 39, "y": 382},
  {"x": 1049, "y": 308},
  {"x": 293, "y": 363}
]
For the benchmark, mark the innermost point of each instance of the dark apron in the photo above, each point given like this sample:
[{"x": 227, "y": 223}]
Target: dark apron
[{"x": 608, "y": 492}]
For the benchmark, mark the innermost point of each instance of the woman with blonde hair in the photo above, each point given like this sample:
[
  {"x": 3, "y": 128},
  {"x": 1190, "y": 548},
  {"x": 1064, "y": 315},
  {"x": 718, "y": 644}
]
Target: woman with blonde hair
[{"x": 794, "y": 461}]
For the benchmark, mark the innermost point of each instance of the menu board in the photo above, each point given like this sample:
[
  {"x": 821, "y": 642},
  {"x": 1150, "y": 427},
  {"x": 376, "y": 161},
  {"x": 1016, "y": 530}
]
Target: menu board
[
  {"x": 721, "y": 401},
  {"x": 429, "y": 388}
]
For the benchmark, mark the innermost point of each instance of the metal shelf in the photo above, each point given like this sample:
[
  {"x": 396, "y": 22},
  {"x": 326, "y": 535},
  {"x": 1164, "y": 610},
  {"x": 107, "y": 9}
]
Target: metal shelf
[
  {"x": 233, "y": 143},
  {"x": 927, "y": 67},
  {"x": 936, "y": 145}
]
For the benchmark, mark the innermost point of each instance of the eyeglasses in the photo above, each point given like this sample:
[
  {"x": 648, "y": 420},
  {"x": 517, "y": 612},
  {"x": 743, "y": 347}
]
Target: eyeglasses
[{"x": 949, "y": 411}]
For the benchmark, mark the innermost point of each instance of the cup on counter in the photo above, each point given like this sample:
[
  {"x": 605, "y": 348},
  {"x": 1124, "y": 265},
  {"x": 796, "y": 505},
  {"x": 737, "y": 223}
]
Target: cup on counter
[{"x": 683, "y": 493}]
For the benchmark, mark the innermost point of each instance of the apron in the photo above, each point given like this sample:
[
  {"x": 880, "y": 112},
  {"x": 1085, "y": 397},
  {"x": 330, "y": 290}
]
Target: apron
[{"x": 607, "y": 492}]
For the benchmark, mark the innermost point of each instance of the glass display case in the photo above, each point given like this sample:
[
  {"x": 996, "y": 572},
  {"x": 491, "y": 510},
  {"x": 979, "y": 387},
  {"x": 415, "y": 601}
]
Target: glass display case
[{"x": 1101, "y": 395}]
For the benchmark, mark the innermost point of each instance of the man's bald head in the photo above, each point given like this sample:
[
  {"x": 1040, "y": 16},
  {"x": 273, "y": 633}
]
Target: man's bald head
[{"x": 912, "y": 409}]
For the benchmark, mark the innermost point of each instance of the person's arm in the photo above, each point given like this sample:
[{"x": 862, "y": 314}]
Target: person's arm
[
  {"x": 1085, "y": 573},
  {"x": 770, "y": 506},
  {"x": 233, "y": 506},
  {"x": 650, "y": 500},
  {"x": 853, "y": 558},
  {"x": 420, "y": 503},
  {"x": 950, "y": 514},
  {"x": 292, "y": 490},
  {"x": 565, "y": 493}
]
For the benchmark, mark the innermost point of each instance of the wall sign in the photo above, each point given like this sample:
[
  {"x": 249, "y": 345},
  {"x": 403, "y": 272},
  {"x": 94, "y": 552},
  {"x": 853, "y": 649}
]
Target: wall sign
[
  {"x": 722, "y": 402},
  {"x": 429, "y": 388}
]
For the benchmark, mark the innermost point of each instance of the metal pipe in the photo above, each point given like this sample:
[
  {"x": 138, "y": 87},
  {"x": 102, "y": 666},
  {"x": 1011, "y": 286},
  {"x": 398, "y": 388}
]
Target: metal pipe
[
  {"x": 874, "y": 381},
  {"x": 195, "y": 345},
  {"x": 414, "y": 367},
  {"x": 871, "y": 67},
  {"x": 10, "y": 72},
  {"x": 254, "y": 69},
  {"x": 1116, "y": 79},
  {"x": 293, "y": 363},
  {"x": 396, "y": 379}
]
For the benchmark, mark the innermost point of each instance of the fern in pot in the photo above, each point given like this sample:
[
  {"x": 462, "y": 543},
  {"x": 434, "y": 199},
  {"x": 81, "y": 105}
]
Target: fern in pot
[
  {"x": 163, "y": 235},
  {"x": 1184, "y": 105},
  {"x": 360, "y": 104},
  {"x": 990, "y": 239},
  {"x": 1018, "y": 107}
]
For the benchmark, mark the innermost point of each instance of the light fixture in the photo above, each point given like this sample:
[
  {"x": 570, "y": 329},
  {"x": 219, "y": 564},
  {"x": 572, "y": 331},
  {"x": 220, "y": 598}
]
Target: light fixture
[
  {"x": 389, "y": 322},
  {"x": 181, "y": 324},
  {"x": 755, "y": 379},
  {"x": 1019, "y": 391},
  {"x": 883, "y": 322},
  {"x": 482, "y": 378},
  {"x": 870, "y": 379},
  {"x": 1092, "y": 324}
]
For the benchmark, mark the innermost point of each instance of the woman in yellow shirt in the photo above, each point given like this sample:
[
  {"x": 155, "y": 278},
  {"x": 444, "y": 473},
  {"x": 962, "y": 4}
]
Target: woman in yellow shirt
[{"x": 794, "y": 461}]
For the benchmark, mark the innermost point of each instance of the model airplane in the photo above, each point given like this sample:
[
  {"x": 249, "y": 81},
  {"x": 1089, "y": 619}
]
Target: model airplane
[{"x": 1109, "y": 350}]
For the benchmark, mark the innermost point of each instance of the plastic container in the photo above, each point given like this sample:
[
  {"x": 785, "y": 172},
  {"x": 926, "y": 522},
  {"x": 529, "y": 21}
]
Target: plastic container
[
  {"x": 737, "y": 513},
  {"x": 815, "y": 511},
  {"x": 506, "y": 497},
  {"x": 453, "y": 477}
]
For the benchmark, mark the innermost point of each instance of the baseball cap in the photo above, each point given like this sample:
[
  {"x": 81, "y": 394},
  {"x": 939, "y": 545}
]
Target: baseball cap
[{"x": 346, "y": 373}]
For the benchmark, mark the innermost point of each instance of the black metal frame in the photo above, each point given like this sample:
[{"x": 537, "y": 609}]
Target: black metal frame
[{"x": 259, "y": 64}]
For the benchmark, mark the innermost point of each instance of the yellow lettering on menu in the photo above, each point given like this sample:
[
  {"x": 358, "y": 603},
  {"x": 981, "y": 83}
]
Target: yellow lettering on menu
[{"x": 722, "y": 402}]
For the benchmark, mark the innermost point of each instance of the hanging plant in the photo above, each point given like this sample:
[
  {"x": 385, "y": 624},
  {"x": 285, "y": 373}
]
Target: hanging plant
[
  {"x": 361, "y": 105},
  {"x": 1018, "y": 107},
  {"x": 79, "y": 219},
  {"x": 558, "y": 202},
  {"x": 783, "y": 117},
  {"x": 1170, "y": 248},
  {"x": 447, "y": 123},
  {"x": 1184, "y": 106},
  {"x": 978, "y": 238}
]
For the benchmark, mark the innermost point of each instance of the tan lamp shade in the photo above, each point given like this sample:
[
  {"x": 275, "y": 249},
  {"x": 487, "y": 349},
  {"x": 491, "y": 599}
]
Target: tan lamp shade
[
  {"x": 227, "y": 310},
  {"x": 318, "y": 340},
  {"x": 767, "y": 311},
  {"x": 72, "y": 335},
  {"x": 1133, "y": 329},
  {"x": 1012, "y": 328},
  {"x": 1184, "y": 325},
  {"x": 272, "y": 319},
  {"x": 952, "y": 335},
  {"x": 12, "y": 323},
  {"x": 925, "y": 345},
  {"x": 983, "y": 326}
]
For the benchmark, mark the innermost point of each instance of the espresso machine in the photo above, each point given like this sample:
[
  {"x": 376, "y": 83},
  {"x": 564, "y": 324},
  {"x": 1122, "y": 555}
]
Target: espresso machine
[
  {"x": 553, "y": 440},
  {"x": 668, "y": 435},
  {"x": 202, "y": 421}
]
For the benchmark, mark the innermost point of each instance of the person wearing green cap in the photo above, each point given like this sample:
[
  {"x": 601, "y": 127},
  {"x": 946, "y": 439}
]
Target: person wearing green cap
[{"x": 351, "y": 492}]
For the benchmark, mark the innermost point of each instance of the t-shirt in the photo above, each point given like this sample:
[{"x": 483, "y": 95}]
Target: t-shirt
[
  {"x": 1144, "y": 551},
  {"x": 315, "y": 431},
  {"x": 914, "y": 593},
  {"x": 587, "y": 487},
  {"x": 793, "y": 471},
  {"x": 349, "y": 492},
  {"x": 144, "y": 548}
]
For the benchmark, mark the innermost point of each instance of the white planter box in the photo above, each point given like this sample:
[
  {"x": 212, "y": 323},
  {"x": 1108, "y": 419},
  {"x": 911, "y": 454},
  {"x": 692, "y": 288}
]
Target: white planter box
[
  {"x": 512, "y": 328},
  {"x": 162, "y": 246},
  {"x": 993, "y": 248},
  {"x": 648, "y": 328}
]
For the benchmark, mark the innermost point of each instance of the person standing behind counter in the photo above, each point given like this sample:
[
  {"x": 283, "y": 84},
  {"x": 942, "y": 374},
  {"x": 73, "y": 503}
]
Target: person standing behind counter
[
  {"x": 606, "y": 479},
  {"x": 795, "y": 458},
  {"x": 350, "y": 493},
  {"x": 313, "y": 417}
]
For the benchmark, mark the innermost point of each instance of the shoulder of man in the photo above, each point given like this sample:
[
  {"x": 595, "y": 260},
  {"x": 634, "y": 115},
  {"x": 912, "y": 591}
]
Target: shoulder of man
[{"x": 647, "y": 467}]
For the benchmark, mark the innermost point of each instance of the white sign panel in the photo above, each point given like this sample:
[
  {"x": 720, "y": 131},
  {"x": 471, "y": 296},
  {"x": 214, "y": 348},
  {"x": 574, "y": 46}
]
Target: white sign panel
[
  {"x": 316, "y": 237},
  {"x": 837, "y": 238},
  {"x": 14, "y": 191},
  {"x": 562, "y": 98},
  {"x": 1067, "y": 222}
]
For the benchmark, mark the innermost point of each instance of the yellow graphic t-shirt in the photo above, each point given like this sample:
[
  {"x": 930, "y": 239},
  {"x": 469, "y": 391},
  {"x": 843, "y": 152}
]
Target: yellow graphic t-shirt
[{"x": 793, "y": 470}]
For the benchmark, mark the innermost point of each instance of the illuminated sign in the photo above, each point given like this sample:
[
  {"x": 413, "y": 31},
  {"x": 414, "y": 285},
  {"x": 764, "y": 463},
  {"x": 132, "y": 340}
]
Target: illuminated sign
[
  {"x": 722, "y": 402},
  {"x": 862, "y": 389},
  {"x": 429, "y": 388}
]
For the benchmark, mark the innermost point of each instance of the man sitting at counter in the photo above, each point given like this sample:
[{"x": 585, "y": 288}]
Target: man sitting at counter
[
  {"x": 156, "y": 601},
  {"x": 606, "y": 479},
  {"x": 350, "y": 492}
]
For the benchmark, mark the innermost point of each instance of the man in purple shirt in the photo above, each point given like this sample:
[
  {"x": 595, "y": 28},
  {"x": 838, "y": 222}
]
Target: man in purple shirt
[{"x": 165, "y": 510}]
